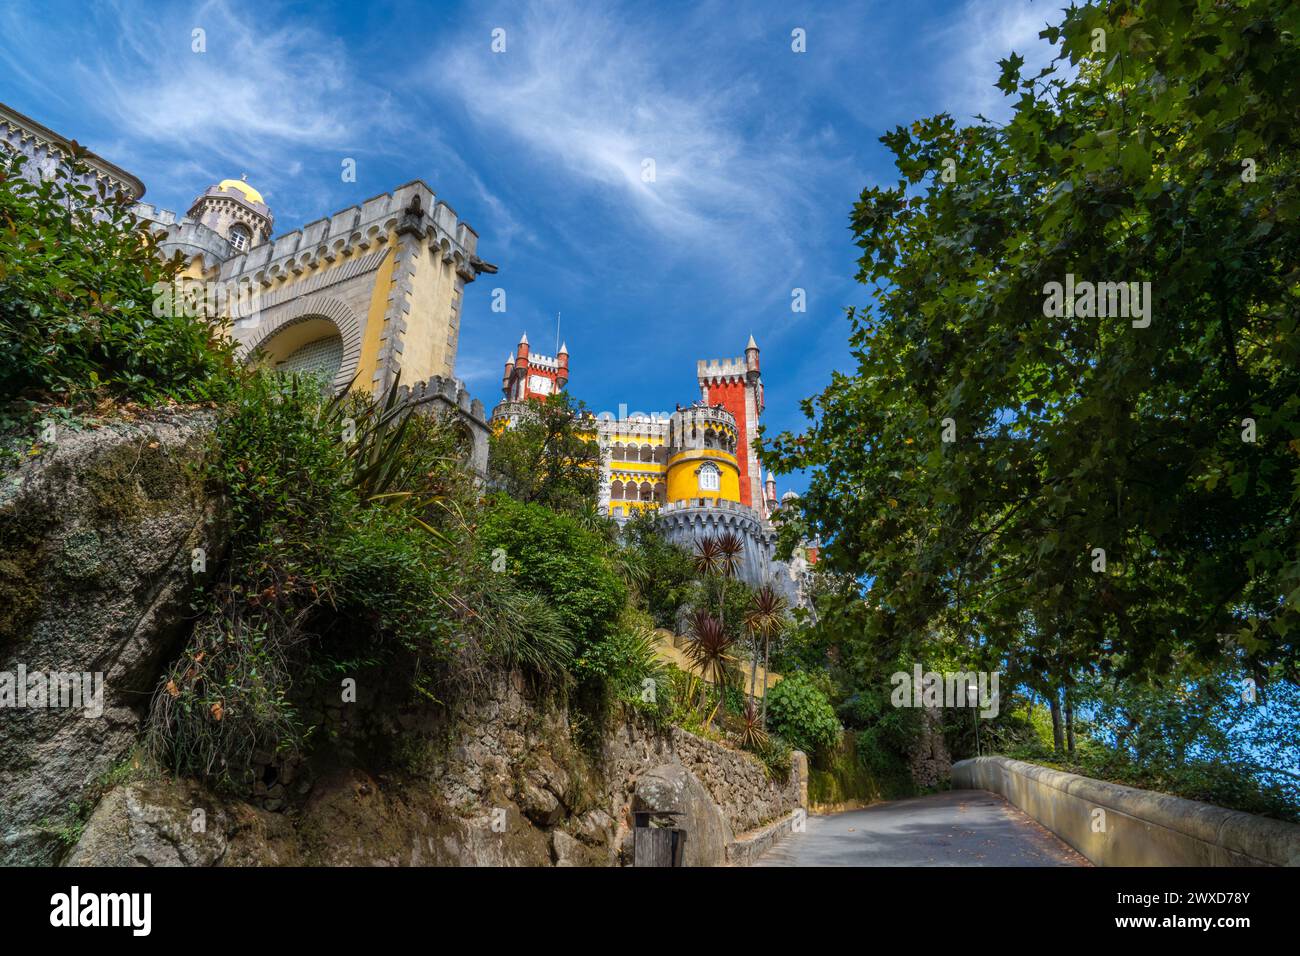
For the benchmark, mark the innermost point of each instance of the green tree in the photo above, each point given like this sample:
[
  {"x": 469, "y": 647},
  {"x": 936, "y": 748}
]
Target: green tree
[
  {"x": 77, "y": 295},
  {"x": 549, "y": 456},
  {"x": 1074, "y": 490},
  {"x": 764, "y": 620},
  {"x": 553, "y": 555}
]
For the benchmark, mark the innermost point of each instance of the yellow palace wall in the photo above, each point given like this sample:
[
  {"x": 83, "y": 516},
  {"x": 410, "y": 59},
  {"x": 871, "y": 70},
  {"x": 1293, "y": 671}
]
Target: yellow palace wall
[{"x": 683, "y": 483}]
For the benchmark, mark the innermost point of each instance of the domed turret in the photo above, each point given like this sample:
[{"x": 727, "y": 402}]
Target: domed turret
[
  {"x": 235, "y": 211},
  {"x": 251, "y": 194}
]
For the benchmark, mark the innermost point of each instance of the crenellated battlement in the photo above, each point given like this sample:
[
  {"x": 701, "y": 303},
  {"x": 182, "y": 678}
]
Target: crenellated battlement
[
  {"x": 152, "y": 213},
  {"x": 443, "y": 395},
  {"x": 545, "y": 361},
  {"x": 716, "y": 370},
  {"x": 704, "y": 416},
  {"x": 449, "y": 391},
  {"x": 412, "y": 207}
]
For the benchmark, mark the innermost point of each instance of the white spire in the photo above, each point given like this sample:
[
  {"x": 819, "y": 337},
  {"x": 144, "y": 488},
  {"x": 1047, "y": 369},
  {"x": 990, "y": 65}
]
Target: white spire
[
  {"x": 564, "y": 349},
  {"x": 752, "y": 344},
  {"x": 523, "y": 339}
]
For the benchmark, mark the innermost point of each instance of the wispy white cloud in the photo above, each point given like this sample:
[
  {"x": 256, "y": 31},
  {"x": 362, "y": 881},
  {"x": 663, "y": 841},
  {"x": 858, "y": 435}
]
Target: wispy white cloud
[
  {"x": 594, "y": 95},
  {"x": 252, "y": 84},
  {"x": 981, "y": 33},
  {"x": 263, "y": 95}
]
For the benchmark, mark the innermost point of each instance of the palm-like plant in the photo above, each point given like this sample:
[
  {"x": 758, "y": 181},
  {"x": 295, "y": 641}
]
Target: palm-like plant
[
  {"x": 731, "y": 547},
  {"x": 765, "y": 620},
  {"x": 708, "y": 557},
  {"x": 720, "y": 555},
  {"x": 709, "y": 652},
  {"x": 753, "y": 736}
]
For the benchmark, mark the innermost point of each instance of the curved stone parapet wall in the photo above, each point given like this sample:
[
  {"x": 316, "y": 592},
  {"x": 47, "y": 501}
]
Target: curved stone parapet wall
[
  {"x": 685, "y": 522},
  {"x": 1135, "y": 827}
]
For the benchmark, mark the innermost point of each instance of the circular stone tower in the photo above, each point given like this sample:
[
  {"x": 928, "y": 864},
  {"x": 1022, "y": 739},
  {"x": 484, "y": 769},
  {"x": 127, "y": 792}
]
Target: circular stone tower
[
  {"x": 702, "y": 461},
  {"x": 235, "y": 211}
]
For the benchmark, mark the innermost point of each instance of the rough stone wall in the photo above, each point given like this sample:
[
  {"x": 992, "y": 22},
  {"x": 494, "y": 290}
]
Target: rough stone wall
[
  {"x": 500, "y": 782},
  {"x": 96, "y": 537},
  {"x": 510, "y": 753},
  {"x": 929, "y": 762}
]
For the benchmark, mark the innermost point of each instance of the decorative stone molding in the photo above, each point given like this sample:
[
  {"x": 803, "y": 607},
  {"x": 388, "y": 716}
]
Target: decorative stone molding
[
  {"x": 315, "y": 307},
  {"x": 46, "y": 150}
]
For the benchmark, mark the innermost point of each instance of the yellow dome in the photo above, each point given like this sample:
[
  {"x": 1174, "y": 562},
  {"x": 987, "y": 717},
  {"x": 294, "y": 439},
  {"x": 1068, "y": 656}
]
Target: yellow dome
[{"x": 251, "y": 194}]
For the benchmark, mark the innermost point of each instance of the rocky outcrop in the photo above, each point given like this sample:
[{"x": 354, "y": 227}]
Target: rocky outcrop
[
  {"x": 96, "y": 541},
  {"x": 499, "y": 781},
  {"x": 97, "y": 571},
  {"x": 929, "y": 761},
  {"x": 164, "y": 822}
]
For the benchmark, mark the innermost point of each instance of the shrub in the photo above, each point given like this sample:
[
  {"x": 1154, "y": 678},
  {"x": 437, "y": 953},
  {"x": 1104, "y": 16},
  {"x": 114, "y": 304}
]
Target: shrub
[
  {"x": 624, "y": 659},
  {"x": 801, "y": 713},
  {"x": 363, "y": 550},
  {"x": 552, "y": 555},
  {"x": 775, "y": 754},
  {"x": 77, "y": 322},
  {"x": 669, "y": 575}
]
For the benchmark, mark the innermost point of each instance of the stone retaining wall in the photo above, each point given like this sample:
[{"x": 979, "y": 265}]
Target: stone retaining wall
[{"x": 1113, "y": 825}]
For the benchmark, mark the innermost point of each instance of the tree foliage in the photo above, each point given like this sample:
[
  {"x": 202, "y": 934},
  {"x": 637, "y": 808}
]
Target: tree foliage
[
  {"x": 1169, "y": 158},
  {"x": 77, "y": 322},
  {"x": 548, "y": 456}
]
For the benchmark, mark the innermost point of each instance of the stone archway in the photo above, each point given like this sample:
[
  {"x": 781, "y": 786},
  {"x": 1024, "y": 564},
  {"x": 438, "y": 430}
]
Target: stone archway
[{"x": 315, "y": 329}]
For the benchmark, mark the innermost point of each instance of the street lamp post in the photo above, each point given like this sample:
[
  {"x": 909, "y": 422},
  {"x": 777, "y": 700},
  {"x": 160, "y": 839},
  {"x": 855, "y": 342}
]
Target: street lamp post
[{"x": 972, "y": 694}]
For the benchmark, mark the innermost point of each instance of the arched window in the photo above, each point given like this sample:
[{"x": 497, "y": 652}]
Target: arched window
[
  {"x": 647, "y": 492},
  {"x": 647, "y": 453},
  {"x": 616, "y": 490},
  {"x": 321, "y": 357},
  {"x": 240, "y": 237},
  {"x": 710, "y": 478}
]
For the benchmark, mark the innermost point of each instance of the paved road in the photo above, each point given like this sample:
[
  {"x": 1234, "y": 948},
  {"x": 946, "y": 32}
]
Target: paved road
[{"x": 954, "y": 828}]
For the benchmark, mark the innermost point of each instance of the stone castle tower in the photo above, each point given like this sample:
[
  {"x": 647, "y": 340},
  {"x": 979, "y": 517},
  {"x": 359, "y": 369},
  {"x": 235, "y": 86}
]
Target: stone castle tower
[
  {"x": 534, "y": 376},
  {"x": 236, "y": 212},
  {"x": 737, "y": 385},
  {"x": 367, "y": 296}
]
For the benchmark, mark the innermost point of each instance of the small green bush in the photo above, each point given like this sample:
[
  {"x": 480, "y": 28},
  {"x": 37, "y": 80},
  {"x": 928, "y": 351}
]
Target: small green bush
[
  {"x": 553, "y": 555},
  {"x": 77, "y": 294},
  {"x": 775, "y": 755},
  {"x": 361, "y": 550},
  {"x": 624, "y": 659},
  {"x": 802, "y": 714}
]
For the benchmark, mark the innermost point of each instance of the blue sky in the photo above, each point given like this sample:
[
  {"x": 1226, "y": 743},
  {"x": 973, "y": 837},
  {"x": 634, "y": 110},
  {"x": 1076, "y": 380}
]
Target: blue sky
[{"x": 759, "y": 152}]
